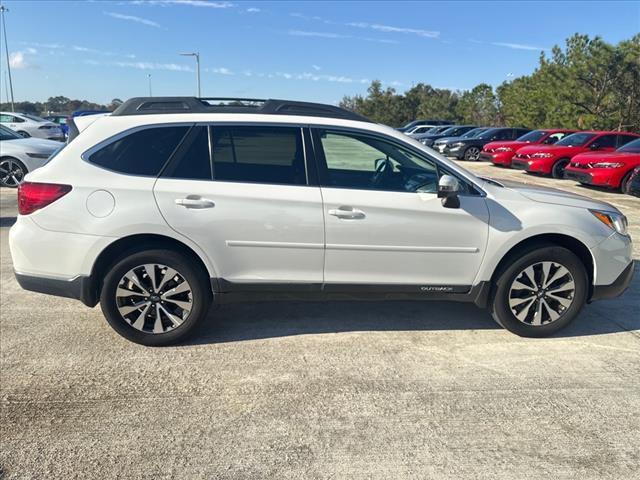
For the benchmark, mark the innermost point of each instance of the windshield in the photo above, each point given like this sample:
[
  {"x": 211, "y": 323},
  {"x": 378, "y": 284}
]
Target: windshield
[
  {"x": 33, "y": 117},
  {"x": 575, "y": 139},
  {"x": 451, "y": 131},
  {"x": 532, "y": 137},
  {"x": 631, "y": 147},
  {"x": 473, "y": 133},
  {"x": 7, "y": 134}
]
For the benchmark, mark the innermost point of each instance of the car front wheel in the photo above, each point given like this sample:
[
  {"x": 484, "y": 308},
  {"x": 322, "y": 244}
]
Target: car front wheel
[
  {"x": 541, "y": 292},
  {"x": 558, "y": 168},
  {"x": 12, "y": 172},
  {"x": 156, "y": 297}
]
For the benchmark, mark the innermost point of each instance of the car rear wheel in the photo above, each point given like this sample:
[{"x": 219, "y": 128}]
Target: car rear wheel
[
  {"x": 541, "y": 292},
  {"x": 22, "y": 133},
  {"x": 156, "y": 297},
  {"x": 558, "y": 168},
  {"x": 12, "y": 172},
  {"x": 472, "y": 154}
]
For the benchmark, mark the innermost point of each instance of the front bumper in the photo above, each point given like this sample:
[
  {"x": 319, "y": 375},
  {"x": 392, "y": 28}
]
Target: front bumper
[
  {"x": 520, "y": 165},
  {"x": 616, "y": 288},
  {"x": 578, "y": 176}
]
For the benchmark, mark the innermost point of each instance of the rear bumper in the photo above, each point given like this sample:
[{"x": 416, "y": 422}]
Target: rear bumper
[
  {"x": 78, "y": 288},
  {"x": 616, "y": 288}
]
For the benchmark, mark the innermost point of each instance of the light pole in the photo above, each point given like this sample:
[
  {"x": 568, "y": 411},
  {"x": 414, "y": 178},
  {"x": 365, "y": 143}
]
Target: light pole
[
  {"x": 149, "y": 77},
  {"x": 197, "y": 55},
  {"x": 4, "y": 9}
]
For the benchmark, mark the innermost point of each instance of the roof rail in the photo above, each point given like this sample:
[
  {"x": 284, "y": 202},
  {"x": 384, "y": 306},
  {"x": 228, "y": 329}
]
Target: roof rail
[{"x": 164, "y": 105}]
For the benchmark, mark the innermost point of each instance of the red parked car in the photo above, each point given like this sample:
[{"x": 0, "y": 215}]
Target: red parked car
[
  {"x": 553, "y": 159},
  {"x": 612, "y": 170},
  {"x": 501, "y": 153}
]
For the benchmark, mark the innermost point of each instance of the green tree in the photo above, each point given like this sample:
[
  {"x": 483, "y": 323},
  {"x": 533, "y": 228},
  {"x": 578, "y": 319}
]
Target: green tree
[{"x": 478, "y": 106}]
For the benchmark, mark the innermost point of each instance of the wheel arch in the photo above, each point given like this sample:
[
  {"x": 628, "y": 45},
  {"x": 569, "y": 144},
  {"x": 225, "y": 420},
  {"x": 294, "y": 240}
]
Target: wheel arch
[
  {"x": 556, "y": 239},
  {"x": 132, "y": 244}
]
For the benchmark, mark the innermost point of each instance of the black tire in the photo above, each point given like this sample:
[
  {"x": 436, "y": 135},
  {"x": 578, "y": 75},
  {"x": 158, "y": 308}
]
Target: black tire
[
  {"x": 558, "y": 168},
  {"x": 626, "y": 180},
  {"x": 501, "y": 310},
  {"x": 17, "y": 168},
  {"x": 472, "y": 154},
  {"x": 189, "y": 271},
  {"x": 23, "y": 134}
]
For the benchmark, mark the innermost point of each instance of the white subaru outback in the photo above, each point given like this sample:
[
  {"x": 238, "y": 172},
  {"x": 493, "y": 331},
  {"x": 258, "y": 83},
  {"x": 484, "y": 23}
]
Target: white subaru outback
[{"x": 170, "y": 204}]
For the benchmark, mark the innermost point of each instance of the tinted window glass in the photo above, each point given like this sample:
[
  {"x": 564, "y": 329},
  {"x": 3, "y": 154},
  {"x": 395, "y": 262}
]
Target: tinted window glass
[
  {"x": 368, "y": 163},
  {"x": 606, "y": 141},
  {"x": 502, "y": 135},
  {"x": 624, "y": 139},
  {"x": 143, "y": 152},
  {"x": 191, "y": 160},
  {"x": 631, "y": 147},
  {"x": 258, "y": 155},
  {"x": 575, "y": 140},
  {"x": 6, "y": 134}
]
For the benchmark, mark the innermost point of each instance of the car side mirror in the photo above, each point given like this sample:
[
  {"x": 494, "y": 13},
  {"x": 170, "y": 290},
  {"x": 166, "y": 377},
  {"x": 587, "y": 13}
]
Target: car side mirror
[
  {"x": 594, "y": 146},
  {"x": 448, "y": 189}
]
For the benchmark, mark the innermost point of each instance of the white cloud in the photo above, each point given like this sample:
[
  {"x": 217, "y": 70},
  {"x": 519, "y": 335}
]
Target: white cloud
[
  {"x": 17, "y": 61},
  {"x": 173, "y": 67},
  {"x": 132, "y": 18},
  {"x": 220, "y": 71},
  {"x": 316, "y": 68},
  {"x": 519, "y": 46},
  {"x": 391, "y": 29},
  {"x": 53, "y": 46},
  {"x": 305, "y": 33},
  {"x": 78, "y": 48},
  {"x": 191, "y": 3},
  {"x": 252, "y": 10}
]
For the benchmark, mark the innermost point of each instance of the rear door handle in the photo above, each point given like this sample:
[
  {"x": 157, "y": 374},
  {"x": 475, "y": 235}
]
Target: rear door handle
[
  {"x": 195, "y": 201},
  {"x": 347, "y": 212}
]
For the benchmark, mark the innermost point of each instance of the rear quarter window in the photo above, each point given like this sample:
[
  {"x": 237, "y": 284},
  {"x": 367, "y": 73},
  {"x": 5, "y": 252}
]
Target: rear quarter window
[{"x": 142, "y": 152}]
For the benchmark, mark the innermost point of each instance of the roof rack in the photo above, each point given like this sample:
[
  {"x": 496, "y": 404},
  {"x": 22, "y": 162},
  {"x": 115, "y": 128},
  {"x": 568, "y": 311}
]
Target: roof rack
[{"x": 164, "y": 105}]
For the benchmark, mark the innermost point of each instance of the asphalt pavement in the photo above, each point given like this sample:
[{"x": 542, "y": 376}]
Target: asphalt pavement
[{"x": 399, "y": 390}]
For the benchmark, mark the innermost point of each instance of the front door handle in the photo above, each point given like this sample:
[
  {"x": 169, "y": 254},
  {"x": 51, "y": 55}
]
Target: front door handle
[
  {"x": 195, "y": 201},
  {"x": 347, "y": 212}
]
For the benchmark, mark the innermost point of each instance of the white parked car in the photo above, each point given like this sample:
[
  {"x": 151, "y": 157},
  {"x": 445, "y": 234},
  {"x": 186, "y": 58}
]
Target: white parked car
[
  {"x": 31, "y": 126},
  {"x": 19, "y": 156},
  {"x": 170, "y": 204}
]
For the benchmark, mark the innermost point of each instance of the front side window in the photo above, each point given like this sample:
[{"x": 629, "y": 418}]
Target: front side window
[
  {"x": 554, "y": 138},
  {"x": 631, "y": 147},
  {"x": 142, "y": 152},
  {"x": 272, "y": 155},
  {"x": 356, "y": 161},
  {"x": 532, "y": 137},
  {"x": 502, "y": 135}
]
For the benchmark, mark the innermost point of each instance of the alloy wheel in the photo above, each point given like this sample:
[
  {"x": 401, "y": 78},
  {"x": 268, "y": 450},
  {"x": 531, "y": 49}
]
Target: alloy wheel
[
  {"x": 541, "y": 293},
  {"x": 472, "y": 154},
  {"x": 154, "y": 298},
  {"x": 11, "y": 173}
]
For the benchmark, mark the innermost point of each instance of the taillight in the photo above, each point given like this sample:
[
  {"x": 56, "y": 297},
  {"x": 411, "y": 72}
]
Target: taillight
[{"x": 34, "y": 196}]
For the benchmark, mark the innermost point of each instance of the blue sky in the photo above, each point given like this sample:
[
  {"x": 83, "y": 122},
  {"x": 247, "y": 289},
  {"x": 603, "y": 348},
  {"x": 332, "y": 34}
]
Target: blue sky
[{"x": 316, "y": 51}]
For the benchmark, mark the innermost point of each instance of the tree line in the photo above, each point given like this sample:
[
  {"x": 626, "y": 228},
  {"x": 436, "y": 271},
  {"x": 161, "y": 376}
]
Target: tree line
[
  {"x": 590, "y": 84},
  {"x": 58, "y": 105}
]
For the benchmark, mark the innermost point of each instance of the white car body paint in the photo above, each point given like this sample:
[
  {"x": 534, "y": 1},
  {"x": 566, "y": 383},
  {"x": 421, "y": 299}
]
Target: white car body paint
[
  {"x": 39, "y": 128},
  {"x": 260, "y": 233}
]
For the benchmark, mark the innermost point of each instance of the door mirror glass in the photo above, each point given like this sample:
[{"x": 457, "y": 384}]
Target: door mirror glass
[{"x": 448, "y": 189}]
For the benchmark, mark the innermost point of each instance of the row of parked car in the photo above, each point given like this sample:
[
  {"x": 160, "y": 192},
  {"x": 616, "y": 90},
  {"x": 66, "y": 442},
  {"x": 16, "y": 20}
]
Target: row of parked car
[
  {"x": 600, "y": 158},
  {"x": 27, "y": 141}
]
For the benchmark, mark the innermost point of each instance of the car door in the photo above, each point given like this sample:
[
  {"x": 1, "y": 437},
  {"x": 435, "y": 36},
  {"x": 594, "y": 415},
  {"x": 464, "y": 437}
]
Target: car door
[
  {"x": 243, "y": 195},
  {"x": 385, "y": 226}
]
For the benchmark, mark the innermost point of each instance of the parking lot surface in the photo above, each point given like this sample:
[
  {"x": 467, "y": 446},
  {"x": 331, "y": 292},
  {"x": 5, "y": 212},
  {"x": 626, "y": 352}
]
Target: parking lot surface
[{"x": 307, "y": 390}]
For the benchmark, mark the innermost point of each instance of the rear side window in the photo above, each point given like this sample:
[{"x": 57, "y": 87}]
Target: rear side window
[
  {"x": 143, "y": 152},
  {"x": 259, "y": 155},
  {"x": 191, "y": 160}
]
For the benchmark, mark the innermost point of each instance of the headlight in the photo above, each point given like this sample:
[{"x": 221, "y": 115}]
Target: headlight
[
  {"x": 503, "y": 149},
  {"x": 457, "y": 144},
  {"x": 615, "y": 221},
  {"x": 39, "y": 155},
  {"x": 542, "y": 155},
  {"x": 607, "y": 165}
]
